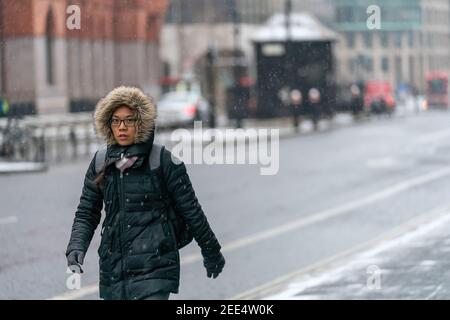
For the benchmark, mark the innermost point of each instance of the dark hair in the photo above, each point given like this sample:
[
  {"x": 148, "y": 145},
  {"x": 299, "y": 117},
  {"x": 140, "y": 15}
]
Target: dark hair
[{"x": 100, "y": 176}]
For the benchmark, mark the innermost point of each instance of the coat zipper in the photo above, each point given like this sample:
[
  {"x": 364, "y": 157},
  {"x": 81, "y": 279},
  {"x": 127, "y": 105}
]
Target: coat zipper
[{"x": 121, "y": 193}]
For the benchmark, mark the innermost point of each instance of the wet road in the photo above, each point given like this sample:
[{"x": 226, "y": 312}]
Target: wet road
[{"x": 335, "y": 190}]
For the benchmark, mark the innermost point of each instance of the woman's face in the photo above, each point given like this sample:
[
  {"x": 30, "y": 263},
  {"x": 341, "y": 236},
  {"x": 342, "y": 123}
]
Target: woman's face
[{"x": 124, "y": 131}]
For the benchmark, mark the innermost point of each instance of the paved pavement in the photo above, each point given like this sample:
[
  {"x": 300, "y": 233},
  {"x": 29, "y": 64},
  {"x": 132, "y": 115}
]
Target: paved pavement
[{"x": 410, "y": 263}]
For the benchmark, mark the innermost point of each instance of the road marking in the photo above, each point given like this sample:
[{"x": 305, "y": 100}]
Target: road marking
[
  {"x": 334, "y": 212},
  {"x": 409, "y": 229},
  {"x": 75, "y": 294},
  {"x": 317, "y": 217},
  {"x": 8, "y": 220},
  {"x": 91, "y": 289},
  {"x": 433, "y": 294}
]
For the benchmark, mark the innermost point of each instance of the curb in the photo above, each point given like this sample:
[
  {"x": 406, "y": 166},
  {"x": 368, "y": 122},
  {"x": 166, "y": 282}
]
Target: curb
[{"x": 22, "y": 167}]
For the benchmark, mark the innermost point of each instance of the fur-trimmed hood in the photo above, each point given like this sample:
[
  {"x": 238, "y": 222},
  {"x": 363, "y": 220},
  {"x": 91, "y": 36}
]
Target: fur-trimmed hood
[{"x": 137, "y": 101}]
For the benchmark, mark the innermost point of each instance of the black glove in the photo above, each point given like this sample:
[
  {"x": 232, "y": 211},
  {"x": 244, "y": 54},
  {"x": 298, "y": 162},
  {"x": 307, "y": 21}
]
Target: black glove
[
  {"x": 75, "y": 258},
  {"x": 214, "y": 264}
]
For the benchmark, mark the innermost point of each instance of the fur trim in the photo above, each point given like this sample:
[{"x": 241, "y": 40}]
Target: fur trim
[{"x": 137, "y": 101}]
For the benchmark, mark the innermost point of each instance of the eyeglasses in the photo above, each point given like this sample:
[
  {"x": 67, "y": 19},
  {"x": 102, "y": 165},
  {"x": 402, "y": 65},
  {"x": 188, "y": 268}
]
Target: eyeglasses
[{"x": 128, "y": 122}]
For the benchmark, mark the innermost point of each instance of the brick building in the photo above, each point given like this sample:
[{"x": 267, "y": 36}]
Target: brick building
[{"x": 47, "y": 67}]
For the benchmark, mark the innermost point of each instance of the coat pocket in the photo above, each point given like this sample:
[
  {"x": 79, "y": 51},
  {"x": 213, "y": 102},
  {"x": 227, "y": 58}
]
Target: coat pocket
[{"x": 102, "y": 250}]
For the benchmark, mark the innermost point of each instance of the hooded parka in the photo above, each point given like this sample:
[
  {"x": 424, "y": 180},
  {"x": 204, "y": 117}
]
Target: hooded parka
[{"x": 138, "y": 255}]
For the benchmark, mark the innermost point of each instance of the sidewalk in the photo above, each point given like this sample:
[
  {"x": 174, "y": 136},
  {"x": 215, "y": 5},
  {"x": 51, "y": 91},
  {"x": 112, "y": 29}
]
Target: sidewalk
[
  {"x": 61, "y": 145},
  {"x": 60, "y": 130},
  {"x": 283, "y": 125},
  {"x": 414, "y": 265},
  {"x": 80, "y": 120},
  {"x": 7, "y": 167}
]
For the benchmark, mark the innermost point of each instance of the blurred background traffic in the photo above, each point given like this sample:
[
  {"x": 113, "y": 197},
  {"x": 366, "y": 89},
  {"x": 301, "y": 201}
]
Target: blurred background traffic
[{"x": 221, "y": 62}]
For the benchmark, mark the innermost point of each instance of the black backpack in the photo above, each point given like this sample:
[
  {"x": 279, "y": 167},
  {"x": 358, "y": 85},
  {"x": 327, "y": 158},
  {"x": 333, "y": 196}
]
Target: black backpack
[{"x": 183, "y": 234}]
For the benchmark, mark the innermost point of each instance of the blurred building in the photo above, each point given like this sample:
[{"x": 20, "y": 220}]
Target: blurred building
[
  {"x": 194, "y": 25},
  {"x": 324, "y": 10},
  {"x": 413, "y": 39},
  {"x": 47, "y": 67}
]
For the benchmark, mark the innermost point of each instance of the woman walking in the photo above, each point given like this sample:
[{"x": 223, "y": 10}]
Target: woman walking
[{"x": 139, "y": 257}]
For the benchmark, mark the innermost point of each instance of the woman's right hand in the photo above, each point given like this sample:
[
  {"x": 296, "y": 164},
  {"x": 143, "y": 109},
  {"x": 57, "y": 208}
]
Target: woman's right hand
[
  {"x": 75, "y": 259},
  {"x": 214, "y": 264}
]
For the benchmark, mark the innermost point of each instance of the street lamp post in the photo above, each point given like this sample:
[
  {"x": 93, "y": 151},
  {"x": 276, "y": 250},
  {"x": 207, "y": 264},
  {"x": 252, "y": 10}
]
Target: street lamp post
[
  {"x": 2, "y": 53},
  {"x": 180, "y": 9},
  {"x": 236, "y": 75},
  {"x": 294, "y": 95},
  {"x": 287, "y": 12},
  {"x": 210, "y": 76}
]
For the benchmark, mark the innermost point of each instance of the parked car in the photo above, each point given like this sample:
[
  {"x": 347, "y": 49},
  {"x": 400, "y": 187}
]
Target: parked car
[
  {"x": 181, "y": 109},
  {"x": 379, "y": 97}
]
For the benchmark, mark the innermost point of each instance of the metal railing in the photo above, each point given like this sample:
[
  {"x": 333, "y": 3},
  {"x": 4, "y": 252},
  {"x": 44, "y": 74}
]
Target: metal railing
[{"x": 48, "y": 139}]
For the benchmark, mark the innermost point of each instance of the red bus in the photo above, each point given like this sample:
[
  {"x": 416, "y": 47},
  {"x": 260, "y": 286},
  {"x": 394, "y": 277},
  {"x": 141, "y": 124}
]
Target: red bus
[
  {"x": 437, "y": 89},
  {"x": 379, "y": 97}
]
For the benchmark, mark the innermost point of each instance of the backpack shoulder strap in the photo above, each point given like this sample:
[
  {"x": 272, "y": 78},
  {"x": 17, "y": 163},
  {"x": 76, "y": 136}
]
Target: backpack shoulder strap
[
  {"x": 155, "y": 158},
  {"x": 155, "y": 161},
  {"x": 100, "y": 157}
]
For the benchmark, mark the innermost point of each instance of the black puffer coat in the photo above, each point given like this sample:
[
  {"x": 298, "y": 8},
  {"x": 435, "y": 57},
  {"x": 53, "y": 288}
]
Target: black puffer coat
[{"x": 138, "y": 255}]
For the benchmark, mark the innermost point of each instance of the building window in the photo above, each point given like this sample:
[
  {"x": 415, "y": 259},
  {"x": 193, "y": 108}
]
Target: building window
[
  {"x": 171, "y": 15},
  {"x": 180, "y": 12},
  {"x": 385, "y": 64},
  {"x": 369, "y": 64},
  {"x": 398, "y": 39},
  {"x": 350, "y": 37},
  {"x": 361, "y": 63},
  {"x": 384, "y": 39},
  {"x": 352, "y": 65},
  {"x": 368, "y": 39},
  {"x": 411, "y": 39},
  {"x": 398, "y": 70},
  {"x": 49, "y": 47},
  {"x": 412, "y": 74}
]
